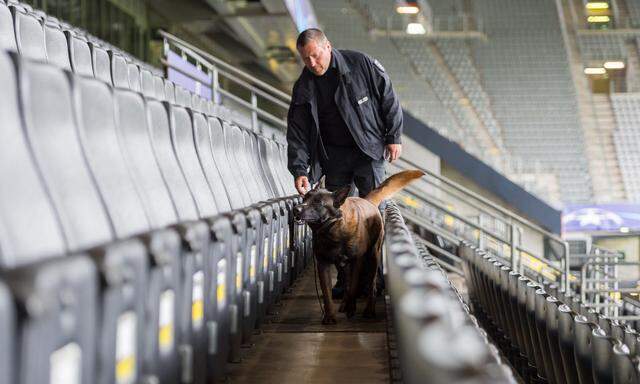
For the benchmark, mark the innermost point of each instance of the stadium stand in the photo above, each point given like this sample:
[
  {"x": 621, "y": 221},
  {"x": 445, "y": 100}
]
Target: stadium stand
[{"x": 146, "y": 229}]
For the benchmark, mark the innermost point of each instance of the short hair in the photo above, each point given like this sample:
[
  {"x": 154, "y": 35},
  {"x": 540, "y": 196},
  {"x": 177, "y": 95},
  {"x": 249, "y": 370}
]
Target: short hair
[{"x": 308, "y": 35}]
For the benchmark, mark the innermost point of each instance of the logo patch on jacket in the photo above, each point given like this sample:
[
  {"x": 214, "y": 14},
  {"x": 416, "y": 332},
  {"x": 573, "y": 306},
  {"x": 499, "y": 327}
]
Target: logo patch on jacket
[
  {"x": 377, "y": 63},
  {"x": 363, "y": 100}
]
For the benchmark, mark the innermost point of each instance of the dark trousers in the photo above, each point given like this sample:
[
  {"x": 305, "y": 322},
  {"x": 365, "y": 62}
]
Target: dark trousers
[{"x": 349, "y": 166}]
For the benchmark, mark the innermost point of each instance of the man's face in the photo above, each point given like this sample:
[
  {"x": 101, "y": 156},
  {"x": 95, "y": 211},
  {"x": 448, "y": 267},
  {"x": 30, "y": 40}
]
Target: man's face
[{"x": 316, "y": 56}]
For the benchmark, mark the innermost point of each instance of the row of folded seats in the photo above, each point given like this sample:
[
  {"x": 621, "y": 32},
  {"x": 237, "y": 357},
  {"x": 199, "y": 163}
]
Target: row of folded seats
[
  {"x": 37, "y": 36},
  {"x": 141, "y": 241},
  {"x": 438, "y": 340},
  {"x": 549, "y": 336}
]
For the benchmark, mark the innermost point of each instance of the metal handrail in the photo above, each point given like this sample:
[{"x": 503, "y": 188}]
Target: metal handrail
[
  {"x": 209, "y": 58},
  {"x": 217, "y": 68},
  {"x": 487, "y": 202}
]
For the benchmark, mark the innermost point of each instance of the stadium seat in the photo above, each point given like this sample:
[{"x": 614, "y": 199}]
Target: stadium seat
[
  {"x": 101, "y": 63},
  {"x": 169, "y": 92},
  {"x": 140, "y": 154},
  {"x": 58, "y": 327},
  {"x": 552, "y": 324},
  {"x": 203, "y": 145},
  {"x": 148, "y": 88},
  {"x": 119, "y": 71},
  {"x": 25, "y": 211},
  {"x": 56, "y": 44},
  {"x": 8, "y": 334},
  {"x": 603, "y": 345},
  {"x": 7, "y": 33},
  {"x": 626, "y": 366},
  {"x": 133, "y": 74},
  {"x": 583, "y": 348},
  {"x": 158, "y": 85},
  {"x": 80, "y": 54},
  {"x": 29, "y": 34}
]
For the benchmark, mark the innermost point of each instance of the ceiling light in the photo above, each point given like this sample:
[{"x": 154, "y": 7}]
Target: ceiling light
[
  {"x": 624, "y": 229},
  {"x": 407, "y": 9},
  {"x": 595, "y": 71},
  {"x": 614, "y": 65},
  {"x": 415, "y": 29},
  {"x": 597, "y": 5},
  {"x": 598, "y": 19}
]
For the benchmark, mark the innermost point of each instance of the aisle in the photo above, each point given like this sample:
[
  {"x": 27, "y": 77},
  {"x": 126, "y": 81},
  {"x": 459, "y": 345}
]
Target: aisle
[{"x": 296, "y": 348}]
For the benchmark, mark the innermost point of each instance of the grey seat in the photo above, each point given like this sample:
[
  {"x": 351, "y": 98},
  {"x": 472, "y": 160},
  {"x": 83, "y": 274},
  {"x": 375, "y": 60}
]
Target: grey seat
[
  {"x": 169, "y": 92},
  {"x": 148, "y": 86},
  {"x": 56, "y": 44},
  {"x": 237, "y": 198},
  {"x": 583, "y": 348},
  {"x": 158, "y": 86},
  {"x": 119, "y": 71},
  {"x": 47, "y": 104},
  {"x": 7, "y": 32},
  {"x": 133, "y": 73},
  {"x": 203, "y": 145},
  {"x": 101, "y": 63},
  {"x": 8, "y": 332},
  {"x": 29, "y": 35},
  {"x": 63, "y": 328},
  {"x": 80, "y": 54},
  {"x": 25, "y": 211}
]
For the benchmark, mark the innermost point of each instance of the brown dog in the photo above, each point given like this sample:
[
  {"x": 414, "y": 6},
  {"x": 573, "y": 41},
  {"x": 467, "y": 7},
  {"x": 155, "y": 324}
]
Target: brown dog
[{"x": 348, "y": 232}]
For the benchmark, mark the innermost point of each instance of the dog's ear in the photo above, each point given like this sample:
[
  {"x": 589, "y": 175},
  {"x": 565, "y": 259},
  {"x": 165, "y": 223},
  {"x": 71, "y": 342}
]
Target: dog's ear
[{"x": 340, "y": 195}]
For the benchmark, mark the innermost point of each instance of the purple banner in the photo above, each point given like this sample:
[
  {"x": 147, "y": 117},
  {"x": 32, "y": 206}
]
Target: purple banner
[
  {"x": 603, "y": 217},
  {"x": 188, "y": 75}
]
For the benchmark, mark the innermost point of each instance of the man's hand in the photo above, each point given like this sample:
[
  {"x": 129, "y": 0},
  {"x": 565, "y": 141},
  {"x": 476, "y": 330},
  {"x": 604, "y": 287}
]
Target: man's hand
[
  {"x": 302, "y": 184},
  {"x": 393, "y": 152}
]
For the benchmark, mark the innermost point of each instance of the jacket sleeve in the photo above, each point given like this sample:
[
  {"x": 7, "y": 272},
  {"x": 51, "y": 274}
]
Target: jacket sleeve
[
  {"x": 298, "y": 154},
  {"x": 390, "y": 110}
]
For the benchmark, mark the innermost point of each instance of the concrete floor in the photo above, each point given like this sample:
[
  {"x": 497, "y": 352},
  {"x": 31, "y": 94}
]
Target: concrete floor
[{"x": 294, "y": 347}]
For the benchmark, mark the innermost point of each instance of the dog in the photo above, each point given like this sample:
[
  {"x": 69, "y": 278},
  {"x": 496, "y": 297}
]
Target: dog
[{"x": 348, "y": 232}]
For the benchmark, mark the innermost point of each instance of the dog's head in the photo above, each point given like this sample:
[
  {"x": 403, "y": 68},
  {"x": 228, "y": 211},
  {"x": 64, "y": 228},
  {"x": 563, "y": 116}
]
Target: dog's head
[{"x": 320, "y": 205}]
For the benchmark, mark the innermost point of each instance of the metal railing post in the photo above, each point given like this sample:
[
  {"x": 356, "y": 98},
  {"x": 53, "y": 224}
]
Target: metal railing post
[
  {"x": 215, "y": 86},
  {"x": 567, "y": 271},
  {"x": 513, "y": 245}
]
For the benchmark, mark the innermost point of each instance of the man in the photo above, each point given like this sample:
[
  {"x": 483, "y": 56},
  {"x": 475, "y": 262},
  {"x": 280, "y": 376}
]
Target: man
[{"x": 344, "y": 119}]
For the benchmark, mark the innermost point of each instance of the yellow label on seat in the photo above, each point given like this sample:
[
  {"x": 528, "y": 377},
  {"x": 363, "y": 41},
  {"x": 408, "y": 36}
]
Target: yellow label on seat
[
  {"x": 239, "y": 271},
  {"x": 126, "y": 370},
  {"x": 197, "y": 300},
  {"x": 221, "y": 285},
  {"x": 165, "y": 332},
  {"x": 265, "y": 253}
]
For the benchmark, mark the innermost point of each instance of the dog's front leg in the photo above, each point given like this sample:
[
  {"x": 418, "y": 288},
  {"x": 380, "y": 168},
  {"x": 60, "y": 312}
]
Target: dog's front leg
[{"x": 324, "y": 275}]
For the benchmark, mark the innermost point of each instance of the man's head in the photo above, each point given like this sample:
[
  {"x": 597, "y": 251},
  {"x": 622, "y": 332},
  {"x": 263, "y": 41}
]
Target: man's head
[{"x": 315, "y": 50}]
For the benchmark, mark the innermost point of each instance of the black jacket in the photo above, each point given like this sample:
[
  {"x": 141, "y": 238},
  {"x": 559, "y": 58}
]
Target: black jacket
[{"x": 366, "y": 101}]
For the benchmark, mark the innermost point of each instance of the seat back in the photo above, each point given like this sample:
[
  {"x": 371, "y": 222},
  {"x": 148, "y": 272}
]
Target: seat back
[
  {"x": 80, "y": 54},
  {"x": 101, "y": 63},
  {"x": 232, "y": 146},
  {"x": 158, "y": 87},
  {"x": 136, "y": 144},
  {"x": 7, "y": 32},
  {"x": 274, "y": 181},
  {"x": 56, "y": 44},
  {"x": 237, "y": 198},
  {"x": 51, "y": 130},
  {"x": 183, "y": 145},
  {"x": 161, "y": 142},
  {"x": 119, "y": 71},
  {"x": 8, "y": 347},
  {"x": 202, "y": 137},
  {"x": 148, "y": 86},
  {"x": 266, "y": 152},
  {"x": 29, "y": 35},
  {"x": 169, "y": 92},
  {"x": 29, "y": 228},
  {"x": 133, "y": 73},
  {"x": 252, "y": 155},
  {"x": 98, "y": 136},
  {"x": 60, "y": 337}
]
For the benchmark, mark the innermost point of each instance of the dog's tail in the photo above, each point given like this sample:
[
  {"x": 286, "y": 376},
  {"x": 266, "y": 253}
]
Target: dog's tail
[{"x": 392, "y": 185}]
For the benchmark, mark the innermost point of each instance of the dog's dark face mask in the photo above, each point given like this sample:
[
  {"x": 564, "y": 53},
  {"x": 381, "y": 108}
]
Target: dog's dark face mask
[{"x": 321, "y": 206}]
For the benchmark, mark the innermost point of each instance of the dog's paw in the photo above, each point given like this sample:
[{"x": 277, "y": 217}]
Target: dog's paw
[{"x": 329, "y": 319}]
